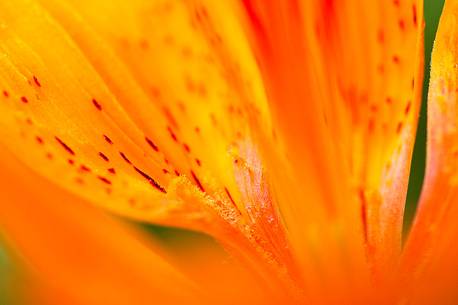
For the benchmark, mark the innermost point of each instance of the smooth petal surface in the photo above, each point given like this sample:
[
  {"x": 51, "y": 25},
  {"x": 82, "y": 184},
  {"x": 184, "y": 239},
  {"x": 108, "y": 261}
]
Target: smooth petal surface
[
  {"x": 80, "y": 254},
  {"x": 343, "y": 83},
  {"x": 430, "y": 253}
]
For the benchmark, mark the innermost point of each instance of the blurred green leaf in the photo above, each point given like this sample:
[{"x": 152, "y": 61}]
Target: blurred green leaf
[{"x": 432, "y": 12}]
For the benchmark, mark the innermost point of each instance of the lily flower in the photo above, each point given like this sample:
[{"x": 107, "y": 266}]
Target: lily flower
[{"x": 283, "y": 129}]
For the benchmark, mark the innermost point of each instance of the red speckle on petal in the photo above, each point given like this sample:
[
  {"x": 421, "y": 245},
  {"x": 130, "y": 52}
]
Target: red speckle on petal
[
  {"x": 124, "y": 157},
  {"x": 186, "y": 148},
  {"x": 197, "y": 181},
  {"x": 150, "y": 180},
  {"x": 104, "y": 180},
  {"x": 172, "y": 134},
  {"x": 36, "y": 81},
  {"x": 97, "y": 104},
  {"x": 65, "y": 146},
  {"x": 84, "y": 168},
  {"x": 151, "y": 143},
  {"x": 107, "y": 139},
  {"x": 402, "y": 25},
  {"x": 103, "y": 156}
]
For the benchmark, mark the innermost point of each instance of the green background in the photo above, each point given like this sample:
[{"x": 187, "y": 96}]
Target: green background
[
  {"x": 182, "y": 240},
  {"x": 433, "y": 9}
]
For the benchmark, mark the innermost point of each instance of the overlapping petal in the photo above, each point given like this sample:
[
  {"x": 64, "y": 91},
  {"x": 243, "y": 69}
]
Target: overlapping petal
[
  {"x": 80, "y": 254},
  {"x": 343, "y": 83},
  {"x": 138, "y": 133},
  {"x": 429, "y": 253}
]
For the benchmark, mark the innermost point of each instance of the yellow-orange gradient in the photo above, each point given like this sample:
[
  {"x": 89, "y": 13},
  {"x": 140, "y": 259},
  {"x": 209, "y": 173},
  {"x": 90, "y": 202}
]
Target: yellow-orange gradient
[{"x": 283, "y": 129}]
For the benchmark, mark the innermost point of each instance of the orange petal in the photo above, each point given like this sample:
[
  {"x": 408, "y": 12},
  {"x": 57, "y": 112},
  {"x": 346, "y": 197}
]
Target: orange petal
[
  {"x": 82, "y": 255},
  {"x": 66, "y": 123},
  {"x": 105, "y": 109},
  {"x": 429, "y": 253},
  {"x": 179, "y": 70},
  {"x": 343, "y": 80}
]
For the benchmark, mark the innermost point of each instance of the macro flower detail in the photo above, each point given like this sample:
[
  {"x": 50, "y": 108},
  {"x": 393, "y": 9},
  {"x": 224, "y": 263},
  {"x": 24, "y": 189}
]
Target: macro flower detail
[{"x": 282, "y": 129}]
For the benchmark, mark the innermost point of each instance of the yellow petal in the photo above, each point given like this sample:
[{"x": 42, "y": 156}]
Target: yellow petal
[
  {"x": 63, "y": 120},
  {"x": 180, "y": 72},
  {"x": 98, "y": 109}
]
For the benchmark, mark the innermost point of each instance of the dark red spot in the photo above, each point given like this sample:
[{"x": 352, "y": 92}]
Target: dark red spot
[
  {"x": 36, "y": 81},
  {"x": 49, "y": 156},
  {"x": 414, "y": 13},
  {"x": 362, "y": 198},
  {"x": 65, "y": 146},
  {"x": 150, "y": 180},
  {"x": 197, "y": 129},
  {"x": 5, "y": 93},
  {"x": 96, "y": 104},
  {"x": 103, "y": 156},
  {"x": 396, "y": 59},
  {"x": 112, "y": 170},
  {"x": 388, "y": 100},
  {"x": 186, "y": 147},
  {"x": 198, "y": 162},
  {"x": 197, "y": 181},
  {"x": 165, "y": 171},
  {"x": 399, "y": 128},
  {"x": 84, "y": 168},
  {"x": 170, "y": 117},
  {"x": 230, "y": 197},
  {"x": 407, "y": 110},
  {"x": 104, "y": 180},
  {"x": 71, "y": 161},
  {"x": 167, "y": 161},
  {"x": 124, "y": 157},
  {"x": 172, "y": 134},
  {"x": 107, "y": 139},
  {"x": 151, "y": 143},
  {"x": 24, "y": 99},
  {"x": 402, "y": 24},
  {"x": 39, "y": 140},
  {"x": 177, "y": 172},
  {"x": 396, "y": 3}
]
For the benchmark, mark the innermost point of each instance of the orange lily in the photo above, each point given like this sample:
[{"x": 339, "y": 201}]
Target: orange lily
[{"x": 284, "y": 129}]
